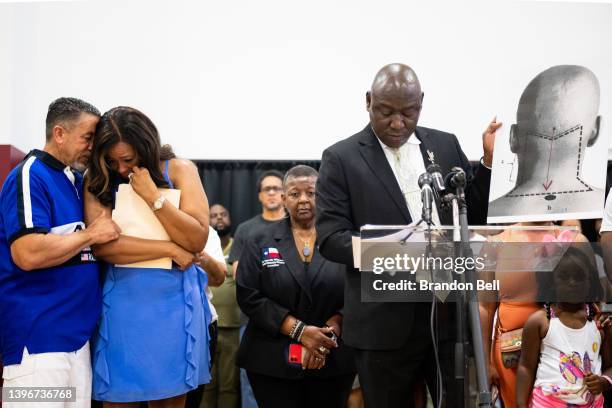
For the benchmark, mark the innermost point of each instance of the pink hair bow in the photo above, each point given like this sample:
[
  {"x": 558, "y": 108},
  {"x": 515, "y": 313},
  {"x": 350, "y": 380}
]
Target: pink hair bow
[{"x": 563, "y": 237}]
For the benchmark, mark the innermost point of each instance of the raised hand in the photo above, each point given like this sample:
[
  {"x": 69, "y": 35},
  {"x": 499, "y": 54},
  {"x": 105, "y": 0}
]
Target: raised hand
[
  {"x": 488, "y": 141},
  {"x": 143, "y": 184}
]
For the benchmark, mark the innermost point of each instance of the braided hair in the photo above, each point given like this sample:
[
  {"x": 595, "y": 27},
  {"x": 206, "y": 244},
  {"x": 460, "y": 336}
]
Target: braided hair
[{"x": 590, "y": 308}]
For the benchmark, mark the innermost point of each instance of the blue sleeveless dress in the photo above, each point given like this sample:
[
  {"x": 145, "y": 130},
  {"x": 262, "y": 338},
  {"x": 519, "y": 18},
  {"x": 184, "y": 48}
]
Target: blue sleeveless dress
[{"x": 152, "y": 341}]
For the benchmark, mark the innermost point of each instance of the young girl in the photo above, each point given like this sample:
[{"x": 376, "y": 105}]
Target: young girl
[{"x": 563, "y": 352}]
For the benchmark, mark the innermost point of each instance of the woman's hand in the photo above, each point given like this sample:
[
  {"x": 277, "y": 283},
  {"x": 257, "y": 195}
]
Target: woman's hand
[
  {"x": 335, "y": 323},
  {"x": 604, "y": 320},
  {"x": 336, "y": 328},
  {"x": 310, "y": 362},
  {"x": 493, "y": 375},
  {"x": 183, "y": 258},
  {"x": 143, "y": 185},
  {"x": 316, "y": 341}
]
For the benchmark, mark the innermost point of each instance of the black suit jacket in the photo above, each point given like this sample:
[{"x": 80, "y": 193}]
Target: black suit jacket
[
  {"x": 356, "y": 186},
  {"x": 266, "y": 294}
]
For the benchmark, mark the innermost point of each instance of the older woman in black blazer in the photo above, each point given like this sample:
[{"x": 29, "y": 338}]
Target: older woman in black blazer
[{"x": 292, "y": 348}]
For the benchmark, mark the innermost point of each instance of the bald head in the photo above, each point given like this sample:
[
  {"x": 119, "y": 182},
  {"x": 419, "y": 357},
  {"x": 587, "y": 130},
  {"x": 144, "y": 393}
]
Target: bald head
[
  {"x": 394, "y": 104},
  {"x": 560, "y": 98},
  {"x": 395, "y": 76}
]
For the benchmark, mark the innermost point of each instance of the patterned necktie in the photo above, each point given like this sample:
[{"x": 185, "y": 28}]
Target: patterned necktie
[{"x": 409, "y": 184}]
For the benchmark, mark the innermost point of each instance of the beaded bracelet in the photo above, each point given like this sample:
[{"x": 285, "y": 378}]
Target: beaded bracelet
[
  {"x": 299, "y": 334},
  {"x": 294, "y": 328},
  {"x": 292, "y": 331}
]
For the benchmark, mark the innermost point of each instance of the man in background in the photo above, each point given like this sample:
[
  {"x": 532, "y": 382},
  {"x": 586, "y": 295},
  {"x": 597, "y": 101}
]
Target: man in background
[
  {"x": 270, "y": 188},
  {"x": 224, "y": 389},
  {"x": 270, "y": 194}
]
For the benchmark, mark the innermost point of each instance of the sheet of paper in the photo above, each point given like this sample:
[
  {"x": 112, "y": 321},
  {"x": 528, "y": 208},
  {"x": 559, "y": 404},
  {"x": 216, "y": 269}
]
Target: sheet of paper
[
  {"x": 136, "y": 219},
  {"x": 552, "y": 166},
  {"x": 356, "y": 240}
]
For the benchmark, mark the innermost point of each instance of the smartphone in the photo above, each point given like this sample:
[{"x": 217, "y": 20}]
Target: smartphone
[
  {"x": 333, "y": 336},
  {"x": 295, "y": 353}
]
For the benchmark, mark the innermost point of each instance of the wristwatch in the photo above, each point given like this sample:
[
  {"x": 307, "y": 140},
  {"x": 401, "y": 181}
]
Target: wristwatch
[{"x": 158, "y": 204}]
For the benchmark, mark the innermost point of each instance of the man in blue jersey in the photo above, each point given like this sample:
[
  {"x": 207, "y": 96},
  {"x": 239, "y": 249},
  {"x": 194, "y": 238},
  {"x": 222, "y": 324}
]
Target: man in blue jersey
[{"x": 50, "y": 296}]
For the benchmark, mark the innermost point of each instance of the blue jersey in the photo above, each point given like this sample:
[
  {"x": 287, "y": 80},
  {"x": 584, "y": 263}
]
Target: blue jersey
[{"x": 52, "y": 309}]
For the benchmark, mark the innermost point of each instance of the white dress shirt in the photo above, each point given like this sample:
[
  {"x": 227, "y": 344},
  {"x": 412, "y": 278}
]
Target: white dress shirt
[
  {"x": 214, "y": 249},
  {"x": 606, "y": 223},
  {"x": 407, "y": 165}
]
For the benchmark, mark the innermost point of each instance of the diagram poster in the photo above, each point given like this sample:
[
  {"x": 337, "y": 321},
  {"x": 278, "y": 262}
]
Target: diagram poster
[{"x": 550, "y": 156}]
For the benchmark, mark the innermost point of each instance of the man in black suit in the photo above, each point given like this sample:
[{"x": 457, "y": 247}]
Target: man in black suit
[{"x": 371, "y": 178}]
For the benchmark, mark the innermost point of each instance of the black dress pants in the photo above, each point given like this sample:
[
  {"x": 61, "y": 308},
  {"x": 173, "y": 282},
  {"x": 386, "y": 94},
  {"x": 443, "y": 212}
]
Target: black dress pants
[
  {"x": 387, "y": 377},
  {"x": 309, "y": 392}
]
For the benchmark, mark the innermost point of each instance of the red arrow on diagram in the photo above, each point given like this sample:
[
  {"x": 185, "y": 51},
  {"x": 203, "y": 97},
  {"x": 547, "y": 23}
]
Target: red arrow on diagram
[{"x": 548, "y": 181}]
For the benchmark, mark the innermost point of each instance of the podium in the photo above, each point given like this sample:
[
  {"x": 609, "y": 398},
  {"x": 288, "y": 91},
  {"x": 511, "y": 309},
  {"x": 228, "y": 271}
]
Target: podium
[{"x": 436, "y": 264}]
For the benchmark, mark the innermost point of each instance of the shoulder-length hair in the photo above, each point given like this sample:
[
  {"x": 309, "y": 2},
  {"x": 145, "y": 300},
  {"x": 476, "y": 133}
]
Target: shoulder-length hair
[{"x": 128, "y": 125}]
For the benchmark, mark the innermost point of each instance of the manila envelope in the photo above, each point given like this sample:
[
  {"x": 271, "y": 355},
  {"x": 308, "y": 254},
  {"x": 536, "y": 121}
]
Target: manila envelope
[{"x": 136, "y": 219}]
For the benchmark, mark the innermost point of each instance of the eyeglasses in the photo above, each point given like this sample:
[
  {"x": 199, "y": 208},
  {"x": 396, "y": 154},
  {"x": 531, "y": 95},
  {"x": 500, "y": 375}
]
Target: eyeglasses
[{"x": 272, "y": 189}]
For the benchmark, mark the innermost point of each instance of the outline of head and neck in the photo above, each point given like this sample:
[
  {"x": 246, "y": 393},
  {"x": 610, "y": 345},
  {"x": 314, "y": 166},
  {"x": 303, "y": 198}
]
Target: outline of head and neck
[{"x": 557, "y": 118}]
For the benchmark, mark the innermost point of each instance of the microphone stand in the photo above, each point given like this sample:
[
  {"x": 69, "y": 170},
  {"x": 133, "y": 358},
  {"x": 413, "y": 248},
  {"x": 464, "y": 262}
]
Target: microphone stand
[
  {"x": 426, "y": 217},
  {"x": 467, "y": 304}
]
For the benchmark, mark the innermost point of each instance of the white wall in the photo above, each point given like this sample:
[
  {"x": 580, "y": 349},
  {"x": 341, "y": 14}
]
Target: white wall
[
  {"x": 6, "y": 65},
  {"x": 280, "y": 79}
]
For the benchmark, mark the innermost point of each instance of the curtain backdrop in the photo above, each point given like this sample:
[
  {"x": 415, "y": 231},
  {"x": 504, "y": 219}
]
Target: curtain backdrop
[{"x": 234, "y": 183}]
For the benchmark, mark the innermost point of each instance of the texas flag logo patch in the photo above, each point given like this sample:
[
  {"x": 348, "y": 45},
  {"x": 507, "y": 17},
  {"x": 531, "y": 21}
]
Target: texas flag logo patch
[{"x": 271, "y": 258}]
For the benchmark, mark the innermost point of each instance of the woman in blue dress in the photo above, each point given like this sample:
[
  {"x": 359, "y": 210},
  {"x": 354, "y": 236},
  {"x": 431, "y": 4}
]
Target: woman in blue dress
[{"x": 152, "y": 341}]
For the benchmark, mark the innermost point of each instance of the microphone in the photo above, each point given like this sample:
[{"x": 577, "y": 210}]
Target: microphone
[
  {"x": 437, "y": 179},
  {"x": 427, "y": 196},
  {"x": 456, "y": 178}
]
